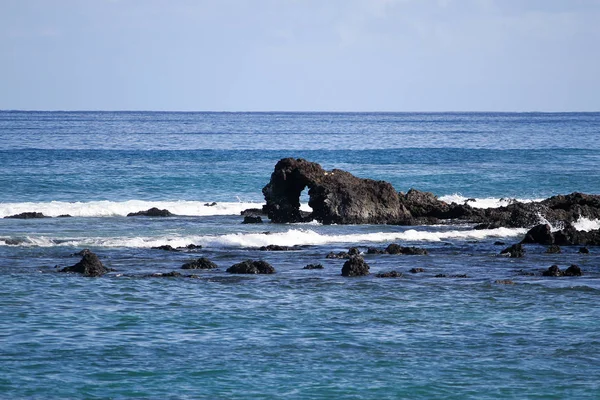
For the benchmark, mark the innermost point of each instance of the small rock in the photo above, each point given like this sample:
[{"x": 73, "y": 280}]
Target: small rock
[
  {"x": 374, "y": 250},
  {"x": 553, "y": 249},
  {"x": 313, "y": 266},
  {"x": 573, "y": 270},
  {"x": 214, "y": 203},
  {"x": 165, "y": 247},
  {"x": 411, "y": 251},
  {"x": 584, "y": 250},
  {"x": 172, "y": 274},
  {"x": 275, "y": 247},
  {"x": 514, "y": 251},
  {"x": 201, "y": 263},
  {"x": 252, "y": 219},
  {"x": 416, "y": 270},
  {"x": 251, "y": 267},
  {"x": 390, "y": 274},
  {"x": 499, "y": 243},
  {"x": 65, "y": 216},
  {"x": 89, "y": 265},
  {"x": 340, "y": 255},
  {"x": 152, "y": 212},
  {"x": 193, "y": 247},
  {"x": 355, "y": 266},
  {"x": 553, "y": 271}
]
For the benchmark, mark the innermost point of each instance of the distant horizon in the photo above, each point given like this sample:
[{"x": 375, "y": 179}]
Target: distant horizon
[{"x": 300, "y": 111}]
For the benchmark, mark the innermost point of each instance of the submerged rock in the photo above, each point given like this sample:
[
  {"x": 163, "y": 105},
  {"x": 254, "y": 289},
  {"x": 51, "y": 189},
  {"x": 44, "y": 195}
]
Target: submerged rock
[
  {"x": 201, "y": 263},
  {"x": 275, "y": 247},
  {"x": 584, "y": 250},
  {"x": 573, "y": 270},
  {"x": 355, "y": 266},
  {"x": 251, "y": 267},
  {"x": 152, "y": 212},
  {"x": 89, "y": 265},
  {"x": 504, "y": 282},
  {"x": 313, "y": 266},
  {"x": 353, "y": 251},
  {"x": 172, "y": 274},
  {"x": 553, "y": 249},
  {"x": 416, "y": 270},
  {"x": 390, "y": 274},
  {"x": 165, "y": 247},
  {"x": 27, "y": 215}
]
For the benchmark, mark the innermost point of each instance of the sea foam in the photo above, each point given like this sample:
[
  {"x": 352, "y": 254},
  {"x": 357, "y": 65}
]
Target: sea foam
[
  {"x": 487, "y": 202},
  {"x": 290, "y": 237}
]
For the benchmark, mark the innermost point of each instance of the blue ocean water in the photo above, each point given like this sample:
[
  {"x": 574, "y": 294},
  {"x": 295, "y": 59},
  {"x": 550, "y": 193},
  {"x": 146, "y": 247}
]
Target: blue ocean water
[{"x": 297, "y": 333}]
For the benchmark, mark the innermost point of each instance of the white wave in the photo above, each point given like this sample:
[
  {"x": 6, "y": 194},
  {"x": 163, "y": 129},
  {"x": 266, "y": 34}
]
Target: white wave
[
  {"x": 585, "y": 224},
  {"x": 113, "y": 209},
  {"x": 291, "y": 237},
  {"x": 487, "y": 202}
]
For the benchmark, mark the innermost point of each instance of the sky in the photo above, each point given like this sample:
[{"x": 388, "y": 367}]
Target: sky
[{"x": 300, "y": 55}]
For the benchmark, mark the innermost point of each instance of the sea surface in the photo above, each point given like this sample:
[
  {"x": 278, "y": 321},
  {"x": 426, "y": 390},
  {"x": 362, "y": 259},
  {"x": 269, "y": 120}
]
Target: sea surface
[{"x": 451, "y": 331}]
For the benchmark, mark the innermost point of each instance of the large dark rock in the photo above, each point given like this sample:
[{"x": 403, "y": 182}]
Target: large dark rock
[
  {"x": 152, "y": 212},
  {"x": 201, "y": 263},
  {"x": 541, "y": 234},
  {"x": 553, "y": 271},
  {"x": 27, "y": 215},
  {"x": 89, "y": 265},
  {"x": 573, "y": 270},
  {"x": 251, "y": 267},
  {"x": 335, "y": 196},
  {"x": 355, "y": 266}
]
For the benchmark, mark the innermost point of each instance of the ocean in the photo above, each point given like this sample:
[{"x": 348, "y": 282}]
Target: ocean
[{"x": 451, "y": 331}]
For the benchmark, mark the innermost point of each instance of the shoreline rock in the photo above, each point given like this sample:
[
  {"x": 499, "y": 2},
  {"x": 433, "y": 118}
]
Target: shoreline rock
[
  {"x": 27, "y": 215},
  {"x": 151, "y": 212},
  {"x": 90, "y": 265}
]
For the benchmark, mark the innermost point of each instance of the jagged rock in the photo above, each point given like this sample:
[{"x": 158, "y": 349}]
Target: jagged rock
[
  {"x": 553, "y": 271},
  {"x": 355, "y": 266},
  {"x": 214, "y": 203},
  {"x": 65, "y": 216},
  {"x": 569, "y": 236},
  {"x": 416, "y": 270},
  {"x": 335, "y": 196},
  {"x": 397, "y": 249},
  {"x": 152, "y": 212},
  {"x": 82, "y": 253},
  {"x": 313, "y": 266},
  {"x": 89, "y": 265},
  {"x": 193, "y": 247},
  {"x": 165, "y": 247},
  {"x": 27, "y": 215},
  {"x": 541, "y": 234},
  {"x": 201, "y": 263},
  {"x": 252, "y": 219},
  {"x": 573, "y": 270},
  {"x": 353, "y": 251},
  {"x": 514, "y": 251},
  {"x": 553, "y": 249},
  {"x": 251, "y": 267},
  {"x": 390, "y": 274}
]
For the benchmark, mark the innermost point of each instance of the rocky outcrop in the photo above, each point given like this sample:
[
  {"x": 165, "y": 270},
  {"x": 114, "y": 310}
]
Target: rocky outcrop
[
  {"x": 554, "y": 270},
  {"x": 336, "y": 197},
  {"x": 251, "y": 267},
  {"x": 152, "y": 212},
  {"x": 355, "y": 266},
  {"x": 389, "y": 274},
  {"x": 411, "y": 251},
  {"x": 569, "y": 236},
  {"x": 201, "y": 263},
  {"x": 89, "y": 265},
  {"x": 313, "y": 266}
]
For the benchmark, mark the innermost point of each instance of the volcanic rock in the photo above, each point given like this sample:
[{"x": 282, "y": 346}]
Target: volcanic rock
[
  {"x": 313, "y": 266},
  {"x": 553, "y": 271},
  {"x": 201, "y": 263},
  {"x": 251, "y": 267},
  {"x": 397, "y": 249},
  {"x": 152, "y": 212},
  {"x": 541, "y": 234},
  {"x": 355, "y": 266},
  {"x": 514, "y": 251},
  {"x": 252, "y": 219},
  {"x": 573, "y": 270},
  {"x": 416, "y": 270},
  {"x": 89, "y": 265},
  {"x": 390, "y": 274},
  {"x": 336, "y": 197},
  {"x": 165, "y": 247},
  {"x": 553, "y": 249},
  {"x": 27, "y": 215}
]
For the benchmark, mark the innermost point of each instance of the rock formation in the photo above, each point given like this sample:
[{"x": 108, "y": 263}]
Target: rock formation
[{"x": 89, "y": 265}]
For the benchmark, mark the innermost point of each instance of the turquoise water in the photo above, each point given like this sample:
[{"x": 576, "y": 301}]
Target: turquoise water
[{"x": 297, "y": 333}]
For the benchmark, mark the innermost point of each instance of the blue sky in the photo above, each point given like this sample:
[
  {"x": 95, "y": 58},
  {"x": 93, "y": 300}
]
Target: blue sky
[{"x": 300, "y": 55}]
